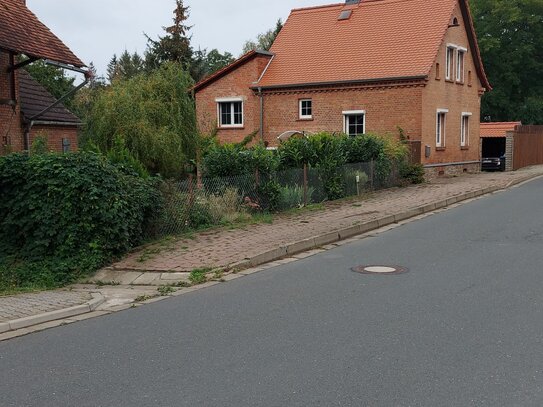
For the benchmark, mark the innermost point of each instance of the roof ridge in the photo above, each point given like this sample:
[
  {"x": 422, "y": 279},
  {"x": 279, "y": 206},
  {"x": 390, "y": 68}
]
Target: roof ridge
[
  {"x": 362, "y": 2},
  {"x": 294, "y": 10}
]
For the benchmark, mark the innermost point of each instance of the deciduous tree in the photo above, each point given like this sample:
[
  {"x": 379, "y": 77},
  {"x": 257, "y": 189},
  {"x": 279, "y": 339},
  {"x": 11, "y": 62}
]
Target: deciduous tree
[
  {"x": 154, "y": 116},
  {"x": 510, "y": 34},
  {"x": 264, "y": 41}
]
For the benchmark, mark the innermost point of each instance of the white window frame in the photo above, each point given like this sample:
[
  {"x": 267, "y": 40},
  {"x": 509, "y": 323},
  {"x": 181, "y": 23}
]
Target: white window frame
[
  {"x": 464, "y": 133},
  {"x": 233, "y": 100},
  {"x": 449, "y": 61},
  {"x": 440, "y": 135},
  {"x": 347, "y": 113},
  {"x": 300, "y": 114},
  {"x": 460, "y": 68}
]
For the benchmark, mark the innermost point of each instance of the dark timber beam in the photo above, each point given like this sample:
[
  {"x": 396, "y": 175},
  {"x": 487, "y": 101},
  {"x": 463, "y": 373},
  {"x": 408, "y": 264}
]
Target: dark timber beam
[{"x": 14, "y": 67}]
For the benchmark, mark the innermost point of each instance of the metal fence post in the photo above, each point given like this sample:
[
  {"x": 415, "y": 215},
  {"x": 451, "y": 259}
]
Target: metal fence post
[
  {"x": 305, "y": 184},
  {"x": 372, "y": 173}
]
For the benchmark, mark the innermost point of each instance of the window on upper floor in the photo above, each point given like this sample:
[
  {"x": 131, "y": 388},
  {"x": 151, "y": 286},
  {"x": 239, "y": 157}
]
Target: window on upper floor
[
  {"x": 464, "y": 129},
  {"x": 441, "y": 121},
  {"x": 306, "y": 109},
  {"x": 230, "y": 112},
  {"x": 449, "y": 63},
  {"x": 460, "y": 64},
  {"x": 354, "y": 122}
]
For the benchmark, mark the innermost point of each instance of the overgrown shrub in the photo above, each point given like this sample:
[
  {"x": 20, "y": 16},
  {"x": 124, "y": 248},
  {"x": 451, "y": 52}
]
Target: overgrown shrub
[
  {"x": 63, "y": 215},
  {"x": 225, "y": 207},
  {"x": 413, "y": 173}
]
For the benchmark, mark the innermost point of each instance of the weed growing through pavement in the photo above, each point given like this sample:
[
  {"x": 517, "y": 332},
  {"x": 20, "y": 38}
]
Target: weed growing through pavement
[
  {"x": 199, "y": 276},
  {"x": 165, "y": 290},
  {"x": 144, "y": 297}
]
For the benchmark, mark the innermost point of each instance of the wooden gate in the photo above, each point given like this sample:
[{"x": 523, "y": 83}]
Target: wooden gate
[
  {"x": 414, "y": 147},
  {"x": 528, "y": 146}
]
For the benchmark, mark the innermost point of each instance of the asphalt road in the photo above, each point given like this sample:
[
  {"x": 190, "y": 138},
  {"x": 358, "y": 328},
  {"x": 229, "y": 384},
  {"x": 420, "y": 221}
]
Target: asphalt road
[{"x": 463, "y": 328}]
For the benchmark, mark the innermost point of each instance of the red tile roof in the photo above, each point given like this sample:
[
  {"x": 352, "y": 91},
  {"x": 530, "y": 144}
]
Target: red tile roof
[
  {"x": 35, "y": 98},
  {"x": 497, "y": 129},
  {"x": 22, "y": 33},
  {"x": 383, "y": 39}
]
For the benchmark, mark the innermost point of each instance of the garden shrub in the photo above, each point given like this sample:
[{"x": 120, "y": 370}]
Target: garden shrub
[
  {"x": 236, "y": 159},
  {"x": 293, "y": 196},
  {"x": 199, "y": 215},
  {"x": 322, "y": 151},
  {"x": 362, "y": 149},
  {"x": 269, "y": 192},
  {"x": 64, "y": 215},
  {"x": 413, "y": 173}
]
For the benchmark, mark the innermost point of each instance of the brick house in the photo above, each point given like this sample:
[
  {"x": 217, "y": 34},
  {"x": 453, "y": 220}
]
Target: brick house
[
  {"x": 357, "y": 67},
  {"x": 26, "y": 108}
]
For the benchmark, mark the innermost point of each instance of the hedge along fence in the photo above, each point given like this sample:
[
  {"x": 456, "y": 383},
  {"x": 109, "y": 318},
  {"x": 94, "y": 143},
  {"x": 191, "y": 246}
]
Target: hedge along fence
[
  {"x": 211, "y": 201},
  {"x": 240, "y": 181},
  {"x": 64, "y": 215}
]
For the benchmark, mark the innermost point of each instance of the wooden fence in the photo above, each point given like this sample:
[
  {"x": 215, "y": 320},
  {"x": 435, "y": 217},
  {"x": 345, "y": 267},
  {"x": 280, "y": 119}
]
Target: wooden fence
[{"x": 528, "y": 146}]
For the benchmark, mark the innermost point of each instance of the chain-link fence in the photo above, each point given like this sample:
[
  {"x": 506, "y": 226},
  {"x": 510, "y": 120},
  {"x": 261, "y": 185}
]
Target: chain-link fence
[{"x": 211, "y": 201}]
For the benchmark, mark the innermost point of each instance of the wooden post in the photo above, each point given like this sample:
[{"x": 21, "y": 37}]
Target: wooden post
[{"x": 257, "y": 177}]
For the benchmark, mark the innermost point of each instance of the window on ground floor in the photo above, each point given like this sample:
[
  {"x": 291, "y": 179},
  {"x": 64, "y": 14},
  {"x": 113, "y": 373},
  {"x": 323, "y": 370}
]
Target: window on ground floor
[
  {"x": 464, "y": 129},
  {"x": 230, "y": 112},
  {"x": 354, "y": 122},
  {"x": 441, "y": 120},
  {"x": 306, "y": 109}
]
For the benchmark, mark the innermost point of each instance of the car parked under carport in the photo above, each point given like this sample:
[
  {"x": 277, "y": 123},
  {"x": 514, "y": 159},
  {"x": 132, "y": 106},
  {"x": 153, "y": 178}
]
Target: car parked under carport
[
  {"x": 493, "y": 153},
  {"x": 494, "y": 146}
]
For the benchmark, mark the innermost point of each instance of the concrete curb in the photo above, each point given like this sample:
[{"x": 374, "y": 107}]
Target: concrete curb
[
  {"x": 89, "y": 306},
  {"x": 357, "y": 230}
]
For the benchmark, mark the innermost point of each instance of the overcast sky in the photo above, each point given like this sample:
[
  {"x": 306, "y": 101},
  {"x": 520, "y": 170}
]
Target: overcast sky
[{"x": 97, "y": 29}]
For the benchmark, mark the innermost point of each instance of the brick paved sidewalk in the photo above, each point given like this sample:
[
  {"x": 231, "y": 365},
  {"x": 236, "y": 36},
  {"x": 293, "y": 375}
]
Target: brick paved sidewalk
[
  {"x": 221, "y": 248},
  {"x": 27, "y": 305}
]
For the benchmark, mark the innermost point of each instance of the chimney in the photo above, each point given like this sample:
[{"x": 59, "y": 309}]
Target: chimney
[{"x": 352, "y": 2}]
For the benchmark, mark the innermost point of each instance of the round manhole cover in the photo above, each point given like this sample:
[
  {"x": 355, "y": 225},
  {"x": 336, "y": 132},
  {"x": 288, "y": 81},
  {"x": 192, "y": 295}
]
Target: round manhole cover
[{"x": 380, "y": 269}]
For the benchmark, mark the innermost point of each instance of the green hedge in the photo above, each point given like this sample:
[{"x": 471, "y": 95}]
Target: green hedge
[{"x": 64, "y": 215}]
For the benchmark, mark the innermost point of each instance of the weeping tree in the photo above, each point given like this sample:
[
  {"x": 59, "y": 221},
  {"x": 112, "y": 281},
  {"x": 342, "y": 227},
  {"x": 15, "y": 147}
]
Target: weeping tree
[{"x": 154, "y": 117}]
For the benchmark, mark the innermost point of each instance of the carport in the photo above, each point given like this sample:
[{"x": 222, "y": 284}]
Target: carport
[{"x": 497, "y": 141}]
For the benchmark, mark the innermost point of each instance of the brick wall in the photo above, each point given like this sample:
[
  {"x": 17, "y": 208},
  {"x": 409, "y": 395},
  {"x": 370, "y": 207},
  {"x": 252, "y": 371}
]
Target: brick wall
[
  {"x": 11, "y": 133},
  {"x": 235, "y": 84},
  {"x": 55, "y": 135},
  {"x": 386, "y": 107},
  {"x": 457, "y": 98},
  {"x": 411, "y": 106}
]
